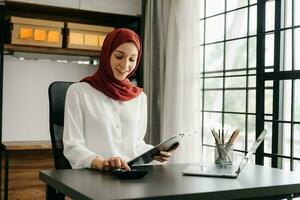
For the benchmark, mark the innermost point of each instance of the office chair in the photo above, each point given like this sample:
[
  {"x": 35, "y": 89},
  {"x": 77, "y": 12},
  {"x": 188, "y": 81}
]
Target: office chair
[{"x": 57, "y": 94}]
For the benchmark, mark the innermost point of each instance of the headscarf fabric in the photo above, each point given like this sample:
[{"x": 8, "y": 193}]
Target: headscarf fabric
[{"x": 104, "y": 80}]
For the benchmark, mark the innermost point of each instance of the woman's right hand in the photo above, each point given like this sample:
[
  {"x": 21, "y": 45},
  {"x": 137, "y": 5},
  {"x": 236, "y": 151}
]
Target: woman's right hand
[{"x": 109, "y": 164}]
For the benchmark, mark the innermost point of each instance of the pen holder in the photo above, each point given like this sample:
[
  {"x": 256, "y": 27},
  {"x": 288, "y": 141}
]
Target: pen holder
[{"x": 224, "y": 154}]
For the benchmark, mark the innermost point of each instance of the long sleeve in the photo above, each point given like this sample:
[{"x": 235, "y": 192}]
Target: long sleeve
[
  {"x": 73, "y": 138},
  {"x": 142, "y": 146}
]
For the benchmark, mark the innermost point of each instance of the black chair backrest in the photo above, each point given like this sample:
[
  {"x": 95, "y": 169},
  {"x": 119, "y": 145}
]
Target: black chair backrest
[{"x": 57, "y": 94}]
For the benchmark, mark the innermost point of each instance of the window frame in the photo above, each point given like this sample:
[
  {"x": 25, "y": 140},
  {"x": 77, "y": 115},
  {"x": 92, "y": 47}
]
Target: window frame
[{"x": 263, "y": 74}]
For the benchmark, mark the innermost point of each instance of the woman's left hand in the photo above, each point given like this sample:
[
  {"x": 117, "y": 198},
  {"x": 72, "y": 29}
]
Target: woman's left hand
[{"x": 164, "y": 155}]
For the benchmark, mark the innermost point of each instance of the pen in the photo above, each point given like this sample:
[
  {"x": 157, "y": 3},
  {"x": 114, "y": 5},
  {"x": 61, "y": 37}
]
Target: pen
[
  {"x": 226, "y": 134},
  {"x": 233, "y": 136},
  {"x": 215, "y": 136},
  {"x": 223, "y": 136}
]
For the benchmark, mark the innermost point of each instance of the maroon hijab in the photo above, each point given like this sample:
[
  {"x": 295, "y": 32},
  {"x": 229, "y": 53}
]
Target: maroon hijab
[{"x": 104, "y": 80}]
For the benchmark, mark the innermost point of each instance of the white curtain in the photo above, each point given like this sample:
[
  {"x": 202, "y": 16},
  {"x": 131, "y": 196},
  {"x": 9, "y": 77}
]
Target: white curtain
[{"x": 175, "y": 36}]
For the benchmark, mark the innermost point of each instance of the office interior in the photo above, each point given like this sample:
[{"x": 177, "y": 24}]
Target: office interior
[{"x": 223, "y": 64}]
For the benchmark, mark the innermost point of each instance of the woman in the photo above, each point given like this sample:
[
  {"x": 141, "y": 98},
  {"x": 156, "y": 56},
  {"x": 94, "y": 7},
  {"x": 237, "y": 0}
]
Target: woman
[{"x": 105, "y": 114}]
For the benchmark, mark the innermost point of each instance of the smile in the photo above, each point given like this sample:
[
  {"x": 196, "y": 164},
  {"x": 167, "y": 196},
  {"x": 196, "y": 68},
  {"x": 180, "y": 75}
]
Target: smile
[{"x": 122, "y": 72}]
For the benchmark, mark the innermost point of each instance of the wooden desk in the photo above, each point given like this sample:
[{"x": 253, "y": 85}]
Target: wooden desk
[
  {"x": 167, "y": 182},
  {"x": 24, "y": 159}
]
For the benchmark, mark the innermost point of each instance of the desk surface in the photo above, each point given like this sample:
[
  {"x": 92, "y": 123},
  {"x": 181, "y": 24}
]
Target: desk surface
[{"x": 167, "y": 182}]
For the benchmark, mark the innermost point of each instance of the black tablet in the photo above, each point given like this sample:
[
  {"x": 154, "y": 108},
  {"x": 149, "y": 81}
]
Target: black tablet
[{"x": 147, "y": 157}]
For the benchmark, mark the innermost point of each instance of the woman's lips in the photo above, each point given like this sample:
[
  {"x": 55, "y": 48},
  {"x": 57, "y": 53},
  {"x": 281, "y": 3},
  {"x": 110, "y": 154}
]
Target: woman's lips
[{"x": 122, "y": 72}]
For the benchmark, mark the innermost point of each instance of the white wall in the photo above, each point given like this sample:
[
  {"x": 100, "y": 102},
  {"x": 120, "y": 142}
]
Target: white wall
[
  {"x": 125, "y": 7},
  {"x": 25, "y": 95}
]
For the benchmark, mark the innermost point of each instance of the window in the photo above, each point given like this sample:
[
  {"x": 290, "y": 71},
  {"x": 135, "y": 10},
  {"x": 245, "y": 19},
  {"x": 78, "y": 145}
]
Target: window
[
  {"x": 281, "y": 76},
  {"x": 249, "y": 76}
]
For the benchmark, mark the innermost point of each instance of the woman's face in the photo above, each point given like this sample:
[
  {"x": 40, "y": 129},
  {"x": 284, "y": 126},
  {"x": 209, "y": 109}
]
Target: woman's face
[{"x": 123, "y": 60}]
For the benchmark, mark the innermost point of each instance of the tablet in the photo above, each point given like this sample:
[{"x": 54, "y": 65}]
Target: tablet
[{"x": 147, "y": 157}]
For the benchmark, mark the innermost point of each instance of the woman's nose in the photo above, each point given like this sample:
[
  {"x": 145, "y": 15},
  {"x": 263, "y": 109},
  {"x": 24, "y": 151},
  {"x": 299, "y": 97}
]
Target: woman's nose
[{"x": 125, "y": 64}]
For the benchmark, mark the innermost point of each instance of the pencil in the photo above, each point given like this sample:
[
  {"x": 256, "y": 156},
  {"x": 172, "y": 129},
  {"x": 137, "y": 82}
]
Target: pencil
[
  {"x": 217, "y": 139},
  {"x": 233, "y": 136}
]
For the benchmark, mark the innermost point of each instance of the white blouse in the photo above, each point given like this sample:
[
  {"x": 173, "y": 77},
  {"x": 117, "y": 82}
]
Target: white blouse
[{"x": 96, "y": 125}]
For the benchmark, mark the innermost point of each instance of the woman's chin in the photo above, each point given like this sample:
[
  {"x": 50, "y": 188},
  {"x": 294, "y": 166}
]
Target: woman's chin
[{"x": 121, "y": 77}]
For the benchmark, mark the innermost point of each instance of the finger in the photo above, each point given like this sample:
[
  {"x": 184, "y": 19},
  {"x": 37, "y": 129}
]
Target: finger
[
  {"x": 163, "y": 158},
  {"x": 165, "y": 154},
  {"x": 106, "y": 165},
  {"x": 112, "y": 163},
  {"x": 118, "y": 162},
  {"x": 125, "y": 166},
  {"x": 158, "y": 158}
]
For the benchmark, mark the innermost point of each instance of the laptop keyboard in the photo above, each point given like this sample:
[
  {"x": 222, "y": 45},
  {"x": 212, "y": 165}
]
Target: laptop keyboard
[
  {"x": 224, "y": 169},
  {"x": 213, "y": 169}
]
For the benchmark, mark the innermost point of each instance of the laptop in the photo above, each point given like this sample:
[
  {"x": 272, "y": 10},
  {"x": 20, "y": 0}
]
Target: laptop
[{"x": 225, "y": 171}]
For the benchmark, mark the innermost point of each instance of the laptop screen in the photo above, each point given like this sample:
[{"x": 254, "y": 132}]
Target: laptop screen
[{"x": 252, "y": 150}]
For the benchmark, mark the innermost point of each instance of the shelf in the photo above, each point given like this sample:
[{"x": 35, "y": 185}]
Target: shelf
[
  {"x": 70, "y": 14},
  {"x": 10, "y": 49},
  {"x": 26, "y": 145},
  {"x": 45, "y": 12}
]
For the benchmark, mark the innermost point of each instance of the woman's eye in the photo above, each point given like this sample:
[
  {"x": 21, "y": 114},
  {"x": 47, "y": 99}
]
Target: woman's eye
[
  {"x": 132, "y": 59},
  {"x": 119, "y": 56}
]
